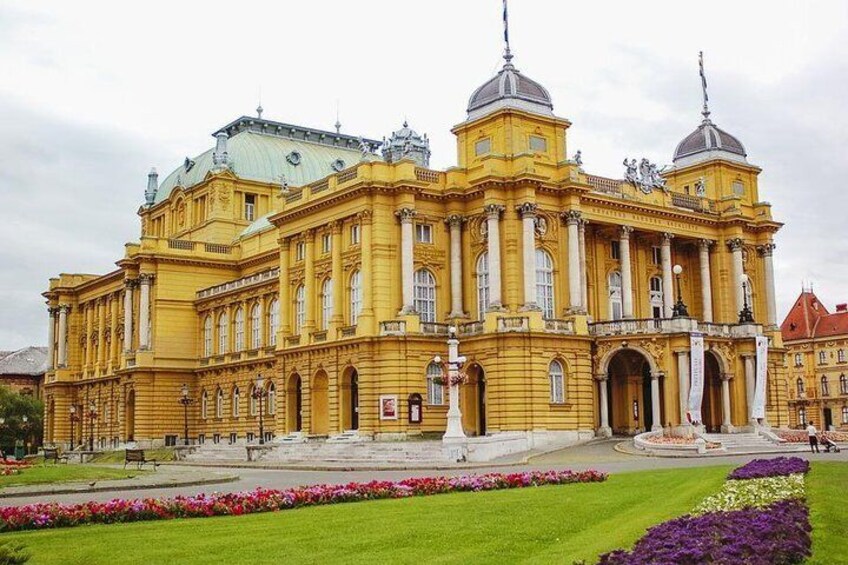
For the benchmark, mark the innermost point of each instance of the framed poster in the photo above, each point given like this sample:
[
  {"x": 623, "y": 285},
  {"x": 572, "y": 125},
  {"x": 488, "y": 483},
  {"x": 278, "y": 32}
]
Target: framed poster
[{"x": 389, "y": 407}]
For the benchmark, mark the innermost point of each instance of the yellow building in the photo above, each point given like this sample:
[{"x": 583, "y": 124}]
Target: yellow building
[
  {"x": 301, "y": 255},
  {"x": 816, "y": 344}
]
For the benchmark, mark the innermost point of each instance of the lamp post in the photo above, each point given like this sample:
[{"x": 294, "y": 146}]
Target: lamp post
[
  {"x": 454, "y": 363},
  {"x": 258, "y": 393},
  {"x": 2, "y": 423},
  {"x": 746, "y": 316},
  {"x": 679, "y": 310},
  {"x": 25, "y": 421},
  {"x": 185, "y": 401},
  {"x": 92, "y": 415},
  {"x": 74, "y": 418}
]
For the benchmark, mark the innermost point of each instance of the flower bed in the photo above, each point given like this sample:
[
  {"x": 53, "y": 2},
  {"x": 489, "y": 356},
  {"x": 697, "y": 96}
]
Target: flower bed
[
  {"x": 800, "y": 436},
  {"x": 673, "y": 440},
  {"x": 13, "y": 467},
  {"x": 780, "y": 466},
  {"x": 752, "y": 493},
  {"x": 52, "y": 515}
]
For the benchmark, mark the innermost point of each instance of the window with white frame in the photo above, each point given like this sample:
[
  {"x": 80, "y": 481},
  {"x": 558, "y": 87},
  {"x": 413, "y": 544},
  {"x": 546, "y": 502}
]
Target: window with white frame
[
  {"x": 299, "y": 309},
  {"x": 799, "y": 386},
  {"x": 423, "y": 233},
  {"x": 207, "y": 337},
  {"x": 326, "y": 243},
  {"x": 249, "y": 207},
  {"x": 354, "y": 234},
  {"x": 271, "y": 408},
  {"x": 424, "y": 287},
  {"x": 615, "y": 249},
  {"x": 843, "y": 384},
  {"x": 223, "y": 333},
  {"x": 545, "y": 283},
  {"x": 802, "y": 416},
  {"x": 822, "y": 357},
  {"x": 252, "y": 401},
  {"x": 239, "y": 329},
  {"x": 556, "y": 375},
  {"x": 482, "y": 285},
  {"x": 616, "y": 308},
  {"x": 273, "y": 321},
  {"x": 219, "y": 404},
  {"x": 825, "y": 388},
  {"x": 435, "y": 385},
  {"x": 326, "y": 304},
  {"x": 656, "y": 297},
  {"x": 798, "y": 361},
  {"x": 840, "y": 356},
  {"x": 236, "y": 401},
  {"x": 656, "y": 255},
  {"x": 355, "y": 297},
  {"x": 845, "y": 414},
  {"x": 204, "y": 405},
  {"x": 255, "y": 326},
  {"x": 299, "y": 251}
]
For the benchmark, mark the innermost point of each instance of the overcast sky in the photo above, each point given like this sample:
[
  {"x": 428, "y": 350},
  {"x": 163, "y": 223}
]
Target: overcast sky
[{"x": 92, "y": 94}]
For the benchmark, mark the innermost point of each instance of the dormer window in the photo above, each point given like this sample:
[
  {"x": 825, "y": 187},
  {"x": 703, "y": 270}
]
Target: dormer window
[
  {"x": 249, "y": 207},
  {"x": 538, "y": 144},
  {"x": 483, "y": 146}
]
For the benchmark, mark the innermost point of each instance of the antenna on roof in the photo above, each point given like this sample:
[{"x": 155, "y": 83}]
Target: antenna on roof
[
  {"x": 260, "y": 109},
  {"x": 706, "y": 111},
  {"x": 338, "y": 123}
]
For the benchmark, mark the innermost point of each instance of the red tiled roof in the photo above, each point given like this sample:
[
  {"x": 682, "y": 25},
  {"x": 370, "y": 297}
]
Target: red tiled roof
[{"x": 809, "y": 318}]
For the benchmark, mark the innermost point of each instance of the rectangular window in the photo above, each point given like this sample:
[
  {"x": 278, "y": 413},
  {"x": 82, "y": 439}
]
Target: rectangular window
[
  {"x": 269, "y": 437},
  {"x": 326, "y": 243},
  {"x": 170, "y": 440},
  {"x": 686, "y": 189},
  {"x": 738, "y": 188},
  {"x": 798, "y": 361},
  {"x": 354, "y": 234},
  {"x": 249, "y": 207},
  {"x": 483, "y": 146},
  {"x": 615, "y": 250},
  {"x": 300, "y": 251},
  {"x": 250, "y": 437},
  {"x": 216, "y": 438},
  {"x": 233, "y": 438},
  {"x": 656, "y": 255},
  {"x": 822, "y": 357},
  {"x": 423, "y": 233},
  {"x": 840, "y": 356},
  {"x": 201, "y": 439},
  {"x": 538, "y": 144}
]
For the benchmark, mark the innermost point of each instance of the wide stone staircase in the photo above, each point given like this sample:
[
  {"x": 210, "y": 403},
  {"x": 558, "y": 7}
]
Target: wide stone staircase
[{"x": 748, "y": 442}]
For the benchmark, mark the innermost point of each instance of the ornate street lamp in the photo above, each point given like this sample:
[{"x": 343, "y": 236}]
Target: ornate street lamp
[
  {"x": 92, "y": 415},
  {"x": 185, "y": 401},
  {"x": 74, "y": 419},
  {"x": 679, "y": 310},
  {"x": 452, "y": 367},
  {"x": 258, "y": 393},
  {"x": 746, "y": 316}
]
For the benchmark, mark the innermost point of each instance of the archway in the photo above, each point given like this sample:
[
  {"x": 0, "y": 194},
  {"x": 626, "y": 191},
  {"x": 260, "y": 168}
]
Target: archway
[
  {"x": 130, "y": 418},
  {"x": 473, "y": 401},
  {"x": 629, "y": 395},
  {"x": 320, "y": 406},
  {"x": 350, "y": 399},
  {"x": 711, "y": 405},
  {"x": 294, "y": 404}
]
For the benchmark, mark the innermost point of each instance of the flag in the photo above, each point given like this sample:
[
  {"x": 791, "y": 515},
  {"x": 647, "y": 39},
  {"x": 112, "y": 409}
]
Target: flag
[
  {"x": 700, "y": 65},
  {"x": 506, "y": 25}
]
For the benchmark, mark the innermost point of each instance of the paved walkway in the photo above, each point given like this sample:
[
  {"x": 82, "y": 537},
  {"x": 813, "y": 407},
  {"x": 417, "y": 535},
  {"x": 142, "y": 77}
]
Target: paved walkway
[{"x": 599, "y": 455}]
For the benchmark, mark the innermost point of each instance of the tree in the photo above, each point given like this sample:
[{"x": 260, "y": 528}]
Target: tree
[{"x": 13, "y": 408}]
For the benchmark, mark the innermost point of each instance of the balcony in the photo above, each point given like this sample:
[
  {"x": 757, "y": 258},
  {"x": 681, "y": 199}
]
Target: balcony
[
  {"x": 393, "y": 327},
  {"x": 470, "y": 328},
  {"x": 627, "y": 327},
  {"x": 559, "y": 326},
  {"x": 508, "y": 325},
  {"x": 434, "y": 328}
]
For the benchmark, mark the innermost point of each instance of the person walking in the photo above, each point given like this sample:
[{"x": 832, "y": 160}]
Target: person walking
[{"x": 814, "y": 438}]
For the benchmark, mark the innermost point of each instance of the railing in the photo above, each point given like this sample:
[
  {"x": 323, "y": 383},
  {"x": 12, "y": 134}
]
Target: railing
[
  {"x": 559, "y": 326},
  {"x": 434, "y": 328},
  {"x": 426, "y": 175},
  {"x": 603, "y": 184},
  {"x": 217, "y": 248},
  {"x": 253, "y": 353},
  {"x": 318, "y": 337},
  {"x": 319, "y": 186},
  {"x": 293, "y": 340},
  {"x": 347, "y": 331},
  {"x": 470, "y": 328},
  {"x": 257, "y": 278},
  {"x": 347, "y": 175},
  {"x": 714, "y": 330},
  {"x": 294, "y": 195},
  {"x": 130, "y": 361},
  {"x": 519, "y": 324},
  {"x": 694, "y": 203},
  {"x": 393, "y": 327},
  {"x": 204, "y": 362},
  {"x": 181, "y": 244},
  {"x": 218, "y": 359},
  {"x": 619, "y": 327}
]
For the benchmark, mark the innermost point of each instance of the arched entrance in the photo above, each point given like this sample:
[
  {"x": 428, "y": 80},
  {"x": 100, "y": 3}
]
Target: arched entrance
[
  {"x": 473, "y": 401},
  {"x": 711, "y": 408},
  {"x": 130, "y": 419},
  {"x": 320, "y": 406},
  {"x": 629, "y": 393},
  {"x": 294, "y": 404},
  {"x": 350, "y": 399}
]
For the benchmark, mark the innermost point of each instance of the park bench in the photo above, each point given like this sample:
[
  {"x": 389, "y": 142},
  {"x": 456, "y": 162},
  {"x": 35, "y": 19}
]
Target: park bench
[
  {"x": 52, "y": 454},
  {"x": 137, "y": 456}
]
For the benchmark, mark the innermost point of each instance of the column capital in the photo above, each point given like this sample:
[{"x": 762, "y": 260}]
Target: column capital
[
  {"x": 601, "y": 377},
  {"x": 146, "y": 278},
  {"x": 455, "y": 220},
  {"x": 336, "y": 226},
  {"x": 735, "y": 244},
  {"x": 52, "y": 310},
  {"x": 626, "y": 231},
  {"x": 657, "y": 375},
  {"x": 406, "y": 215},
  {"x": 727, "y": 377},
  {"x": 766, "y": 250},
  {"x": 130, "y": 283},
  {"x": 285, "y": 243},
  {"x": 365, "y": 217},
  {"x": 666, "y": 238},
  {"x": 527, "y": 209},
  {"x": 705, "y": 244},
  {"x": 571, "y": 217},
  {"x": 493, "y": 211},
  {"x": 64, "y": 308}
]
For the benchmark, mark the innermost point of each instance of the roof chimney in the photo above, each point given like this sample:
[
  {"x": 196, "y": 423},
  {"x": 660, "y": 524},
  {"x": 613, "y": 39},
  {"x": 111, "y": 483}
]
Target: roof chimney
[{"x": 842, "y": 307}]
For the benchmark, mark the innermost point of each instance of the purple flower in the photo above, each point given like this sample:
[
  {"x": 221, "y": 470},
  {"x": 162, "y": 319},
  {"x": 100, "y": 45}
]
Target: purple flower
[{"x": 780, "y": 466}]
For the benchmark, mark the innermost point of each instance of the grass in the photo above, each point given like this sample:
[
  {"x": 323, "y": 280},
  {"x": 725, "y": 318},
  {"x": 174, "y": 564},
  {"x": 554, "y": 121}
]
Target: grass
[
  {"x": 538, "y": 525},
  {"x": 62, "y": 473},
  {"x": 117, "y": 456},
  {"x": 827, "y": 485}
]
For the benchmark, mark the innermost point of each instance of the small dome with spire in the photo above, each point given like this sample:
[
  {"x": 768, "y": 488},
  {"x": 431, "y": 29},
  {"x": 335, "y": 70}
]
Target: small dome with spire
[
  {"x": 405, "y": 143},
  {"x": 510, "y": 89}
]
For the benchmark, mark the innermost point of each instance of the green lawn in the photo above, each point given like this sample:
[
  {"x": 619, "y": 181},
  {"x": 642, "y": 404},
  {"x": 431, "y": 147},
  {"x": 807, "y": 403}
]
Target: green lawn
[
  {"x": 827, "y": 493},
  {"x": 42, "y": 474},
  {"x": 541, "y": 525}
]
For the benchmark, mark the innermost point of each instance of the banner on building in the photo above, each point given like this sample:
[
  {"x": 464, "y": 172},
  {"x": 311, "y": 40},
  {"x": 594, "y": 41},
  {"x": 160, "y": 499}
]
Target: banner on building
[
  {"x": 758, "y": 410},
  {"x": 696, "y": 376}
]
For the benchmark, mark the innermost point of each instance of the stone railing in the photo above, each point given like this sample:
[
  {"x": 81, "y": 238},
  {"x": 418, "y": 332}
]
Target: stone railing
[
  {"x": 605, "y": 185},
  {"x": 434, "y": 328},
  {"x": 620, "y": 327},
  {"x": 217, "y": 248},
  {"x": 319, "y": 186},
  {"x": 519, "y": 324},
  {"x": 694, "y": 203},
  {"x": 292, "y": 340},
  {"x": 470, "y": 328},
  {"x": 393, "y": 327},
  {"x": 181, "y": 244},
  {"x": 257, "y": 278},
  {"x": 426, "y": 175},
  {"x": 559, "y": 326},
  {"x": 319, "y": 337},
  {"x": 294, "y": 195},
  {"x": 347, "y": 175},
  {"x": 347, "y": 331},
  {"x": 715, "y": 330}
]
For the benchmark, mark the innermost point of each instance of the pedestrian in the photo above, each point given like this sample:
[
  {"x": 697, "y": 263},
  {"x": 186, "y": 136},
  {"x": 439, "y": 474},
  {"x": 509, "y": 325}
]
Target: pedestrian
[{"x": 814, "y": 439}]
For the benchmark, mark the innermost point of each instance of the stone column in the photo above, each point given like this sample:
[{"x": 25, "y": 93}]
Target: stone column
[
  {"x": 726, "y": 426},
  {"x": 626, "y": 277},
  {"x": 338, "y": 283},
  {"x": 407, "y": 264},
  {"x": 284, "y": 292},
  {"x": 767, "y": 252},
  {"x": 575, "y": 294},
  {"x": 584, "y": 291},
  {"x": 655, "y": 402},
  {"x": 308, "y": 286},
  {"x": 128, "y": 313},
  {"x": 455, "y": 222},
  {"x": 88, "y": 314},
  {"x": 493, "y": 239},
  {"x": 750, "y": 385},
  {"x": 604, "y": 430},
  {"x": 667, "y": 281},
  {"x": 735, "y": 246},
  {"x": 113, "y": 336},
  {"x": 51, "y": 338},
  {"x": 366, "y": 317},
  {"x": 102, "y": 348},
  {"x": 706, "y": 280},
  {"x": 145, "y": 281},
  {"x": 63, "y": 335},
  {"x": 527, "y": 211},
  {"x": 683, "y": 384}
]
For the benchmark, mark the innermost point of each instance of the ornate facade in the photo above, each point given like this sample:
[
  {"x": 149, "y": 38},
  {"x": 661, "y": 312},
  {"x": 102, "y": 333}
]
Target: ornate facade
[{"x": 301, "y": 255}]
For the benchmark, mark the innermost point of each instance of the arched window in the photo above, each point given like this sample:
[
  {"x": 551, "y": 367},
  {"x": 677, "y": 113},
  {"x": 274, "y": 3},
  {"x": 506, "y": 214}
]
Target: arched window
[
  {"x": 223, "y": 333},
  {"x": 236, "y": 401},
  {"x": 655, "y": 295},
  {"x": 825, "y": 389},
  {"x": 545, "y": 283},
  {"x": 239, "y": 329},
  {"x": 435, "y": 385},
  {"x": 482, "y": 284},
  {"x": 299, "y": 309},
  {"x": 252, "y": 400},
  {"x": 424, "y": 287},
  {"x": 326, "y": 304},
  {"x": 802, "y": 416},
  {"x": 272, "y": 399},
  {"x": 273, "y": 322},
  {"x": 799, "y": 384},
  {"x": 845, "y": 414},
  {"x": 219, "y": 404},
  {"x": 207, "y": 337},
  {"x": 204, "y": 405},
  {"x": 255, "y": 327},
  {"x": 556, "y": 374},
  {"x": 616, "y": 311},
  {"x": 843, "y": 384},
  {"x": 355, "y": 297}
]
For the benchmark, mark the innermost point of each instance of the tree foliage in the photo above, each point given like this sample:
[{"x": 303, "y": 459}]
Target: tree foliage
[{"x": 13, "y": 408}]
